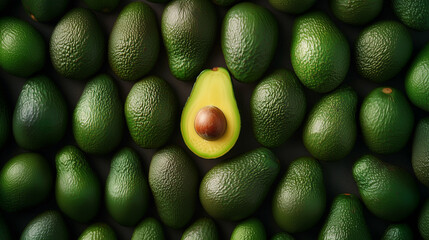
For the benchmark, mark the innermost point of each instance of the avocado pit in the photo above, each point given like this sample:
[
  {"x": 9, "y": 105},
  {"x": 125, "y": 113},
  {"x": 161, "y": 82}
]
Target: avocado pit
[{"x": 210, "y": 123}]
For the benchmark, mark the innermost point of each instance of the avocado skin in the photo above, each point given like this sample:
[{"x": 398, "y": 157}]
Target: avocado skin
[
  {"x": 345, "y": 220},
  {"x": 249, "y": 39},
  {"x": 423, "y": 221},
  {"x": 4, "y": 230},
  {"x": 356, "y": 12},
  {"x": 127, "y": 190},
  {"x": 330, "y": 131},
  {"x": 282, "y": 236},
  {"x": 98, "y": 231},
  {"x": 386, "y": 131},
  {"x": 382, "y": 50},
  {"x": 102, "y": 5},
  {"x": 189, "y": 30},
  {"x": 98, "y": 120},
  {"x": 417, "y": 80},
  {"x": 320, "y": 54},
  {"x": 41, "y": 115},
  {"x": 420, "y": 151},
  {"x": 151, "y": 112},
  {"x": 398, "y": 232},
  {"x": 26, "y": 55},
  {"x": 46, "y": 226},
  {"x": 77, "y": 45},
  {"x": 277, "y": 108},
  {"x": 414, "y": 14},
  {"x": 173, "y": 179},
  {"x": 234, "y": 189},
  {"x": 148, "y": 229},
  {"x": 45, "y": 10},
  {"x": 300, "y": 197},
  {"x": 203, "y": 228},
  {"x": 389, "y": 192},
  {"x": 250, "y": 229},
  {"x": 292, "y": 6},
  {"x": 5, "y": 121},
  {"x": 224, "y": 3},
  {"x": 77, "y": 188},
  {"x": 25, "y": 181},
  {"x": 134, "y": 42}
]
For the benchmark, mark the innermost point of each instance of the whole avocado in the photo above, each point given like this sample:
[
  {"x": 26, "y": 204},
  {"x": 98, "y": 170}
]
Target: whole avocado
[
  {"x": 320, "y": 53},
  {"x": 102, "y": 5},
  {"x": 77, "y": 45},
  {"x": 45, "y": 10},
  {"x": 203, "y": 228},
  {"x": 356, "y": 12},
  {"x": 414, "y": 14},
  {"x": 249, "y": 38},
  {"x": 250, "y": 229},
  {"x": 134, "y": 42},
  {"x": 148, "y": 229},
  {"x": 189, "y": 30},
  {"x": 420, "y": 151},
  {"x": 46, "y": 226},
  {"x": 234, "y": 189},
  {"x": 98, "y": 231},
  {"x": 40, "y": 117},
  {"x": 292, "y": 6},
  {"x": 417, "y": 80}
]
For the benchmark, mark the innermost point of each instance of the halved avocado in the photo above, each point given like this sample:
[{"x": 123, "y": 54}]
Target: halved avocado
[{"x": 210, "y": 106}]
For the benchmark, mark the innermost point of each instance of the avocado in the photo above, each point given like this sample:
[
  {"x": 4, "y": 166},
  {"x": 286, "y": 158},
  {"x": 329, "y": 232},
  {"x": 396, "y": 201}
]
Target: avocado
[
  {"x": 292, "y": 6},
  {"x": 282, "y": 236},
  {"x": 46, "y": 226},
  {"x": 420, "y": 153},
  {"x": 26, "y": 55},
  {"x": 77, "y": 45},
  {"x": 134, "y": 42},
  {"x": 417, "y": 80},
  {"x": 414, "y": 14},
  {"x": 151, "y": 112},
  {"x": 40, "y": 117},
  {"x": 77, "y": 188},
  {"x": 250, "y": 229},
  {"x": 25, "y": 181},
  {"x": 4, "y": 230},
  {"x": 224, "y": 3},
  {"x": 203, "y": 228},
  {"x": 330, "y": 131},
  {"x": 98, "y": 120},
  {"x": 45, "y": 10},
  {"x": 423, "y": 221},
  {"x": 234, "y": 189},
  {"x": 320, "y": 53},
  {"x": 173, "y": 179},
  {"x": 189, "y": 30},
  {"x": 277, "y": 107},
  {"x": 127, "y": 190},
  {"x": 98, "y": 231},
  {"x": 300, "y": 197},
  {"x": 102, "y": 5},
  {"x": 356, "y": 12},
  {"x": 382, "y": 50},
  {"x": 212, "y": 90},
  {"x": 5, "y": 121},
  {"x": 249, "y": 39},
  {"x": 388, "y": 191},
  {"x": 345, "y": 220},
  {"x": 386, "y": 131},
  {"x": 148, "y": 229},
  {"x": 398, "y": 232}
]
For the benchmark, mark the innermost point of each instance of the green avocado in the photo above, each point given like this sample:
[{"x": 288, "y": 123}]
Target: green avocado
[
  {"x": 25, "y": 181},
  {"x": 389, "y": 192},
  {"x": 203, "y": 228},
  {"x": 414, "y": 14},
  {"x": 386, "y": 131},
  {"x": 420, "y": 151},
  {"x": 213, "y": 88},
  {"x": 77, "y": 45},
  {"x": 398, "y": 232},
  {"x": 77, "y": 188},
  {"x": 382, "y": 50},
  {"x": 127, "y": 190},
  {"x": 277, "y": 107},
  {"x": 148, "y": 229},
  {"x": 98, "y": 120},
  {"x": 22, "y": 48},
  {"x": 417, "y": 80},
  {"x": 102, "y": 5},
  {"x": 40, "y": 117},
  {"x": 134, "y": 42},
  {"x": 292, "y": 6},
  {"x": 235, "y": 189},
  {"x": 356, "y": 12},
  {"x": 249, "y": 38},
  {"x": 423, "y": 221},
  {"x": 320, "y": 53},
  {"x": 189, "y": 29},
  {"x": 98, "y": 231},
  {"x": 5, "y": 121},
  {"x": 173, "y": 179},
  {"x": 45, "y": 10},
  {"x": 250, "y": 229},
  {"x": 46, "y": 226}
]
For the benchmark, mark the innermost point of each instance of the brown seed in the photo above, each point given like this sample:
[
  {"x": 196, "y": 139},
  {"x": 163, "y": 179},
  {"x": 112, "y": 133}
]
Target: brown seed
[{"x": 210, "y": 123}]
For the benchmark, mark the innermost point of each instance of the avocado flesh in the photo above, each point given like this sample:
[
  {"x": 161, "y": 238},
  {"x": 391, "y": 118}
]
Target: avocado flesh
[{"x": 213, "y": 87}]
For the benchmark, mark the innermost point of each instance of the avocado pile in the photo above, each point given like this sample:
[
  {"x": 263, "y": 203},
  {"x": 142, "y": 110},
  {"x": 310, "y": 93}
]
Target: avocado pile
[{"x": 214, "y": 119}]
